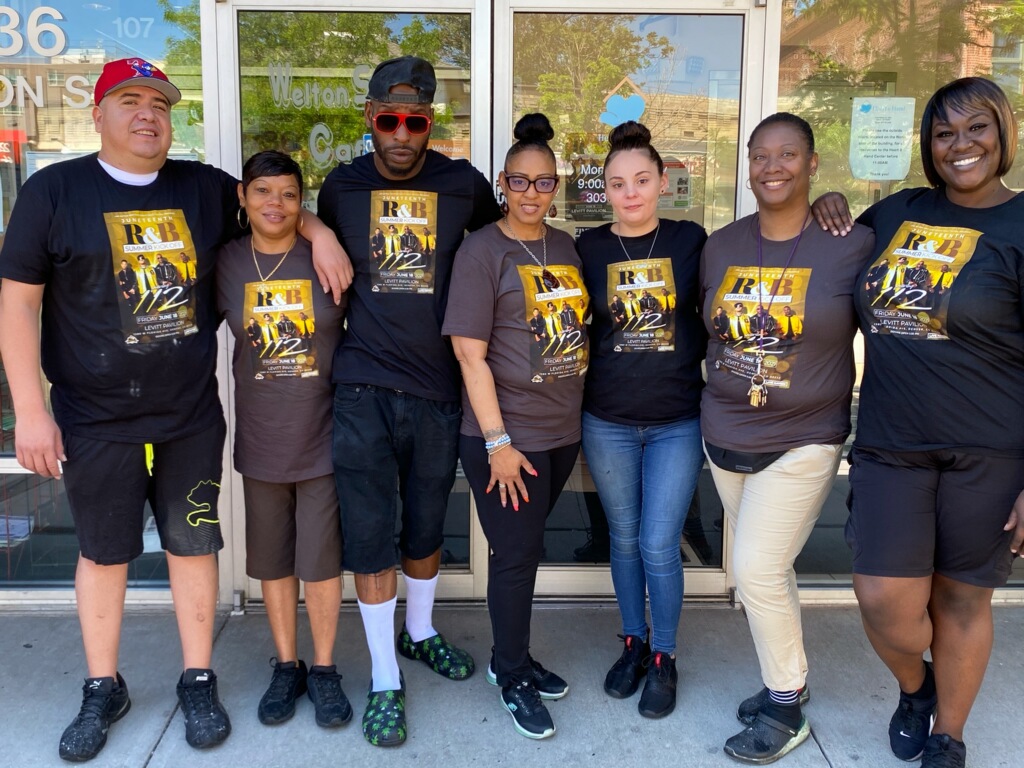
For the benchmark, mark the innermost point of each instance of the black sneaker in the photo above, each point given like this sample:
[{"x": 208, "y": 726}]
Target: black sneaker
[
  {"x": 659, "y": 696},
  {"x": 943, "y": 751},
  {"x": 549, "y": 685},
  {"x": 766, "y": 740},
  {"x": 749, "y": 708},
  {"x": 529, "y": 715},
  {"x": 593, "y": 551},
  {"x": 206, "y": 722},
  {"x": 623, "y": 678},
  {"x": 104, "y": 701},
  {"x": 329, "y": 700},
  {"x": 287, "y": 684},
  {"x": 911, "y": 723}
]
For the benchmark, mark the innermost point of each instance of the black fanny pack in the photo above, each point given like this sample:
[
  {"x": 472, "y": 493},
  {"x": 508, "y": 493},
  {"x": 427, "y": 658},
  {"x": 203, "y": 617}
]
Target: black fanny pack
[{"x": 741, "y": 461}]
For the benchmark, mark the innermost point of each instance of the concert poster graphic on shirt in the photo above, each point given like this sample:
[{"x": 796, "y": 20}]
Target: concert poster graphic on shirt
[
  {"x": 556, "y": 312},
  {"x": 906, "y": 291},
  {"x": 403, "y": 239},
  {"x": 280, "y": 327},
  {"x": 642, "y": 303},
  {"x": 154, "y": 269},
  {"x": 764, "y": 317}
]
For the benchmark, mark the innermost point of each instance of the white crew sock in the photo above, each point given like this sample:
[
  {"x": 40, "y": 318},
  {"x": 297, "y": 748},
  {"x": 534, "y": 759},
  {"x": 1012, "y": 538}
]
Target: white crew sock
[
  {"x": 419, "y": 607},
  {"x": 379, "y": 625}
]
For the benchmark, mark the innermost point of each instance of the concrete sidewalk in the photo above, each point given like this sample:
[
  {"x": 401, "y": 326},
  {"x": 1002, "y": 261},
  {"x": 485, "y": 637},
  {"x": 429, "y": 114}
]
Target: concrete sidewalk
[{"x": 463, "y": 724}]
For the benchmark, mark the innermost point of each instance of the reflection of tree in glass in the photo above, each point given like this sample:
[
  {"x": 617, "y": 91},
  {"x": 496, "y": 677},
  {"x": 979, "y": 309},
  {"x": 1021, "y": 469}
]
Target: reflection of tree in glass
[
  {"x": 567, "y": 64},
  {"x": 183, "y": 62},
  {"x": 834, "y": 50},
  {"x": 438, "y": 37},
  {"x": 316, "y": 53}
]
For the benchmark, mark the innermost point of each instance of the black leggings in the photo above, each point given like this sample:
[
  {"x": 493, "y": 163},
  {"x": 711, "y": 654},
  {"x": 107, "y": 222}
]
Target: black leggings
[{"x": 517, "y": 544}]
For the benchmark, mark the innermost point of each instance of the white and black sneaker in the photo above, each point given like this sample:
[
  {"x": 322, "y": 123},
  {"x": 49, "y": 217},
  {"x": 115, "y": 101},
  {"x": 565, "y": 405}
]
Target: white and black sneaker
[
  {"x": 549, "y": 685},
  {"x": 529, "y": 715}
]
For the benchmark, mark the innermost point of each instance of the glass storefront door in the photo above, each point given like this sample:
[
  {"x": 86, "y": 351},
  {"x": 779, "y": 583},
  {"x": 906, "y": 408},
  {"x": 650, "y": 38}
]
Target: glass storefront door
[
  {"x": 302, "y": 80},
  {"x": 683, "y": 73}
]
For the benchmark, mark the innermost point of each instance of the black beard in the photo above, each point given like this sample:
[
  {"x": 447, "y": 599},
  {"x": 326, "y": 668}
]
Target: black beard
[{"x": 399, "y": 171}]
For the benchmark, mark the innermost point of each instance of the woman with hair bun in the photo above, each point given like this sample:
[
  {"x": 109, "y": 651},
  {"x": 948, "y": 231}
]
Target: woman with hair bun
[
  {"x": 641, "y": 409},
  {"x": 776, "y": 409},
  {"x": 516, "y": 317}
]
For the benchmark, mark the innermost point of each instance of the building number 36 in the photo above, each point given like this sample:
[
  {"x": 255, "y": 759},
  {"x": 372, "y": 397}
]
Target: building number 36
[{"x": 43, "y": 35}]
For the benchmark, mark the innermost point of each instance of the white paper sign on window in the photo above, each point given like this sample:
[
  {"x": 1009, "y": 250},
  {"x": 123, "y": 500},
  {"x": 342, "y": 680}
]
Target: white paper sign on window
[{"x": 880, "y": 137}]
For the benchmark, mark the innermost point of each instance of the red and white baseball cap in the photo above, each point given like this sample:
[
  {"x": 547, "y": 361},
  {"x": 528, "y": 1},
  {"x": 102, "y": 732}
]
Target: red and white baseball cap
[{"x": 123, "y": 73}]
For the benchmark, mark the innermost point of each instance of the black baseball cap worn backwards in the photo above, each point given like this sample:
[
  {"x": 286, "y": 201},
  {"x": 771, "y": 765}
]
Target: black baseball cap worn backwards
[{"x": 404, "y": 70}]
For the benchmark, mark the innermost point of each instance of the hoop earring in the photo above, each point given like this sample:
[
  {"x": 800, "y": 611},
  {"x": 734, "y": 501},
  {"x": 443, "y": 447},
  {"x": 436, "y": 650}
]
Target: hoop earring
[
  {"x": 238, "y": 218},
  {"x": 747, "y": 184},
  {"x": 504, "y": 208},
  {"x": 814, "y": 178}
]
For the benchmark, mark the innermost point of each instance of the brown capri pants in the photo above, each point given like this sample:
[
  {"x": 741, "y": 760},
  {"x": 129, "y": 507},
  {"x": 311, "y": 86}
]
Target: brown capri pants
[{"x": 292, "y": 529}]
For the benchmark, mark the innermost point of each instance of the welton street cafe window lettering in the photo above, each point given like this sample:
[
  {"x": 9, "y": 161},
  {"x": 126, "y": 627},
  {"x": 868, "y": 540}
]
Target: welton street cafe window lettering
[{"x": 304, "y": 78}]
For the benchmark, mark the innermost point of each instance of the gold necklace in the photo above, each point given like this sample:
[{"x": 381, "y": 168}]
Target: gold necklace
[{"x": 252, "y": 246}]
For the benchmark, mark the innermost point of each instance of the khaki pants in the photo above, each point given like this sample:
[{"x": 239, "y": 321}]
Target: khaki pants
[{"x": 771, "y": 514}]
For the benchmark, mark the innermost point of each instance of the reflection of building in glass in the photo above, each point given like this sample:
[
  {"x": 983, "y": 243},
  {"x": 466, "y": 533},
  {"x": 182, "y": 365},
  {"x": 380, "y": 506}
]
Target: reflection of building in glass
[
  {"x": 303, "y": 90},
  {"x": 832, "y": 52},
  {"x": 48, "y": 105},
  {"x": 689, "y": 101}
]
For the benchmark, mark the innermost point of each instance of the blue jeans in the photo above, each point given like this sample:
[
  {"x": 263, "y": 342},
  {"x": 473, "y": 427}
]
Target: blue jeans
[{"x": 645, "y": 477}]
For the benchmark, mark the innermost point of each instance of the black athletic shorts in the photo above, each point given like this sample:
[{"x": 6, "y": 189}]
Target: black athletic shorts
[
  {"x": 917, "y": 513},
  {"x": 108, "y": 485}
]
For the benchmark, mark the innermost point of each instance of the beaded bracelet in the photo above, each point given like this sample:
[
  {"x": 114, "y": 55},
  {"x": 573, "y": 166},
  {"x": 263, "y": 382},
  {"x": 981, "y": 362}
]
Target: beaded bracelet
[{"x": 493, "y": 446}]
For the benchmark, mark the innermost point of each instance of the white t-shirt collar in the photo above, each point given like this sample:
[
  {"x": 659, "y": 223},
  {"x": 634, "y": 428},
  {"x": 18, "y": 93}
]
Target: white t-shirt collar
[{"x": 134, "y": 179}]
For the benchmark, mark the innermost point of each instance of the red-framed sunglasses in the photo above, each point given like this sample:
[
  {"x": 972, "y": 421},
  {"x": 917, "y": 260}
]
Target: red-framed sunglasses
[{"x": 388, "y": 122}]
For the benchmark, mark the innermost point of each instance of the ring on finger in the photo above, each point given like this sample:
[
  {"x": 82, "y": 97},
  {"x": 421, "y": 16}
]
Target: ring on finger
[{"x": 501, "y": 486}]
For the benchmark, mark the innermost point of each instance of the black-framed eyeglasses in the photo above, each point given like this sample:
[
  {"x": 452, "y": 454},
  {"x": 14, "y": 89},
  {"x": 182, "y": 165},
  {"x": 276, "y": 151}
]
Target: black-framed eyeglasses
[
  {"x": 549, "y": 280},
  {"x": 544, "y": 184},
  {"x": 388, "y": 122}
]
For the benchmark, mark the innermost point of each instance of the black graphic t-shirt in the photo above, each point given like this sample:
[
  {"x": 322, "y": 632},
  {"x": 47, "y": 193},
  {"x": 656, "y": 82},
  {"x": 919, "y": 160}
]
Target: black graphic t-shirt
[
  {"x": 941, "y": 306},
  {"x": 647, "y": 336},
  {"x": 402, "y": 237},
  {"x": 128, "y": 317}
]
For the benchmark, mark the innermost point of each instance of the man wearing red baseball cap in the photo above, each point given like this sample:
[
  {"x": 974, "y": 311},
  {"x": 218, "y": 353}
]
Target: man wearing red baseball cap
[{"x": 136, "y": 415}]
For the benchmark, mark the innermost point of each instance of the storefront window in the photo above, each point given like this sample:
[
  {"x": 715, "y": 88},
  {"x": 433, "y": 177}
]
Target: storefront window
[
  {"x": 50, "y": 56},
  {"x": 677, "y": 74},
  {"x": 304, "y": 78},
  {"x": 841, "y": 60}
]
